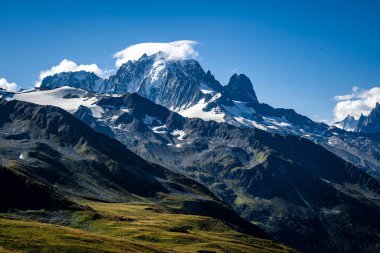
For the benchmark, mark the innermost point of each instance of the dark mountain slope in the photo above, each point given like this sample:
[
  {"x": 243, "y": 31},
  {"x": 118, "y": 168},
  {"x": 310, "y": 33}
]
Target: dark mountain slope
[{"x": 22, "y": 192}]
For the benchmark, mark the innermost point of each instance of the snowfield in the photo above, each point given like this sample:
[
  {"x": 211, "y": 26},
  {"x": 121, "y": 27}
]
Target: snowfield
[{"x": 56, "y": 97}]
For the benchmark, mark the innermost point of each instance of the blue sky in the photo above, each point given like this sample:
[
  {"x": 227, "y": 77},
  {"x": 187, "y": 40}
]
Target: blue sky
[{"x": 298, "y": 54}]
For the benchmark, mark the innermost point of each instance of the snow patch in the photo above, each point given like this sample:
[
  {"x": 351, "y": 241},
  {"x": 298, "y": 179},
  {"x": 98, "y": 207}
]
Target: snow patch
[
  {"x": 333, "y": 211},
  {"x": 180, "y": 134},
  {"x": 148, "y": 120},
  {"x": 160, "y": 129},
  {"x": 197, "y": 111},
  {"x": 206, "y": 90},
  {"x": 277, "y": 121},
  {"x": 97, "y": 111},
  {"x": 332, "y": 141},
  {"x": 125, "y": 109},
  {"x": 240, "y": 109}
]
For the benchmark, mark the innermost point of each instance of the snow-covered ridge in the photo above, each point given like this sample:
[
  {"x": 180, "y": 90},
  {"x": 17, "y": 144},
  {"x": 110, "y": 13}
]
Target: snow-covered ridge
[
  {"x": 183, "y": 86},
  {"x": 67, "y": 98}
]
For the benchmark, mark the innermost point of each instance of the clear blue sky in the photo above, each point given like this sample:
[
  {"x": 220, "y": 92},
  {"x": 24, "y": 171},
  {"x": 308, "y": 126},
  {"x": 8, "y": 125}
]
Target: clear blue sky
[{"x": 298, "y": 54}]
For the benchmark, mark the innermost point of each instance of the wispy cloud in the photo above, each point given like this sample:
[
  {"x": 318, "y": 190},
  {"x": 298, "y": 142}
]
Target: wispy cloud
[
  {"x": 4, "y": 84},
  {"x": 359, "y": 101},
  {"x": 182, "y": 49},
  {"x": 70, "y": 66},
  {"x": 235, "y": 70}
]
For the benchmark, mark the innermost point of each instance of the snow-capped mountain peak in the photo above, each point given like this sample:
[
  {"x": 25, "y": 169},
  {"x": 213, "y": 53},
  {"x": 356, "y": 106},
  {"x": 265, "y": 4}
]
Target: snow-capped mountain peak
[
  {"x": 371, "y": 123},
  {"x": 171, "y": 83},
  {"x": 80, "y": 79},
  {"x": 349, "y": 123}
]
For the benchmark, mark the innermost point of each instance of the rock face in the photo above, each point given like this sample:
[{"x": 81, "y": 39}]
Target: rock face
[
  {"x": 240, "y": 88},
  {"x": 81, "y": 79},
  {"x": 4, "y": 93},
  {"x": 85, "y": 114},
  {"x": 211, "y": 82},
  {"x": 371, "y": 123}
]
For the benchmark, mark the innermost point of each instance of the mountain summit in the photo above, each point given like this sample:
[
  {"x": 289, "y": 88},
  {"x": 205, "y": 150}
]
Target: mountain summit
[
  {"x": 371, "y": 123},
  {"x": 349, "y": 123},
  {"x": 171, "y": 83},
  {"x": 240, "y": 88}
]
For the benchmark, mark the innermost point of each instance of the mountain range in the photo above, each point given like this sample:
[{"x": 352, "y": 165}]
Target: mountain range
[
  {"x": 184, "y": 87},
  {"x": 369, "y": 124},
  {"x": 160, "y": 129}
]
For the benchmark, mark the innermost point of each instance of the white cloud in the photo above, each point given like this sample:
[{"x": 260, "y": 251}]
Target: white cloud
[
  {"x": 4, "y": 84},
  {"x": 359, "y": 101},
  {"x": 70, "y": 66},
  {"x": 182, "y": 49}
]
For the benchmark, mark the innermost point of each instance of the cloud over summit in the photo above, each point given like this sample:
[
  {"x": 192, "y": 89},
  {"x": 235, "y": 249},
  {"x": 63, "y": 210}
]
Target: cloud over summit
[
  {"x": 70, "y": 66},
  {"x": 4, "y": 84},
  {"x": 182, "y": 49}
]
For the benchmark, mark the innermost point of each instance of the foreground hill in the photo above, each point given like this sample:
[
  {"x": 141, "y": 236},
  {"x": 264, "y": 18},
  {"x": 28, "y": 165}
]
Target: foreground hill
[
  {"x": 57, "y": 170},
  {"x": 123, "y": 227}
]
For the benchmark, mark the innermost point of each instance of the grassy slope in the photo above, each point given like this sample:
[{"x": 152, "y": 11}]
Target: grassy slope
[{"x": 132, "y": 227}]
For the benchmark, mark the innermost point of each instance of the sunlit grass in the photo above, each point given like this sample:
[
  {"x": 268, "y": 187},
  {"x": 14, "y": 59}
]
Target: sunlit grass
[{"x": 132, "y": 227}]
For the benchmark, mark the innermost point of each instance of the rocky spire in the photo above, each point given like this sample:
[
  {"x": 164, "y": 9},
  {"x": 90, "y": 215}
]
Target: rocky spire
[{"x": 240, "y": 88}]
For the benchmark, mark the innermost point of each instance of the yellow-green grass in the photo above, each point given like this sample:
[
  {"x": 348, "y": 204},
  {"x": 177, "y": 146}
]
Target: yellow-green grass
[
  {"x": 30, "y": 236},
  {"x": 132, "y": 227},
  {"x": 242, "y": 199}
]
